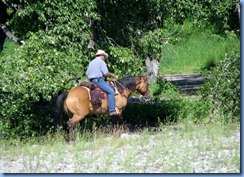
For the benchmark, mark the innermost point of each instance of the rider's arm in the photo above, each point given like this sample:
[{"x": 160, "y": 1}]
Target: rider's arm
[{"x": 110, "y": 75}]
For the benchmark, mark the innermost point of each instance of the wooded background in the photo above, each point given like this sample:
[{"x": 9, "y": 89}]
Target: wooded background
[{"x": 58, "y": 39}]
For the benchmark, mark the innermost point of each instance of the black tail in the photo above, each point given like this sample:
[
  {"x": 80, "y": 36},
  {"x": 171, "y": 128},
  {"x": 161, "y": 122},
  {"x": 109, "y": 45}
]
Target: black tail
[{"x": 59, "y": 108}]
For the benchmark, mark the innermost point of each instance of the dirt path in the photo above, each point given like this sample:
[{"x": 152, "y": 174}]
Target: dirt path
[{"x": 188, "y": 83}]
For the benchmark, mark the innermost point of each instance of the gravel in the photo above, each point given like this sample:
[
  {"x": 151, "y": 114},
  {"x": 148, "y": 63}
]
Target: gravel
[{"x": 154, "y": 156}]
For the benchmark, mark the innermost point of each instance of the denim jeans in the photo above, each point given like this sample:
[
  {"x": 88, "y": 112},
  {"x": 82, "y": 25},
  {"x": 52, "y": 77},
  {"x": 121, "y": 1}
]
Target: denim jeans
[{"x": 103, "y": 85}]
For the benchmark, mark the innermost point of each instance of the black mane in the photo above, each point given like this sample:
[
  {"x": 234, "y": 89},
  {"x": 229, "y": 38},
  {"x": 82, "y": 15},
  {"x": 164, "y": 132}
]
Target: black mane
[{"x": 127, "y": 82}]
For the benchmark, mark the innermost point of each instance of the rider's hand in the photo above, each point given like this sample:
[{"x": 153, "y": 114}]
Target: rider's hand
[{"x": 116, "y": 77}]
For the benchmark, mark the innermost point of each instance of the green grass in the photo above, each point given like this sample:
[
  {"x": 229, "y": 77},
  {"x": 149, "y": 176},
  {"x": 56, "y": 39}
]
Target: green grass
[
  {"x": 199, "y": 51},
  {"x": 8, "y": 48},
  {"x": 181, "y": 148}
]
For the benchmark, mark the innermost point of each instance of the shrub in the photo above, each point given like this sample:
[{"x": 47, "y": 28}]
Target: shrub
[
  {"x": 164, "y": 111},
  {"x": 30, "y": 79},
  {"x": 222, "y": 87}
]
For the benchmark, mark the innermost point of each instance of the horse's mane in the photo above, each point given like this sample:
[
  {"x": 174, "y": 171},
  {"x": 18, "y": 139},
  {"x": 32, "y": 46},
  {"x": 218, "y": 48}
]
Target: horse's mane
[{"x": 127, "y": 82}]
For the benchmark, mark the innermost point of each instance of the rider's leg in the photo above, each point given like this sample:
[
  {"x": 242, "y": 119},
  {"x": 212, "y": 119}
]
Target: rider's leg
[{"x": 103, "y": 85}]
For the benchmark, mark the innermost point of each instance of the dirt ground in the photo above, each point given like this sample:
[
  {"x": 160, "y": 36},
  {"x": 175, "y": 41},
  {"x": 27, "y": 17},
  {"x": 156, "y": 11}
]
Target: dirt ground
[{"x": 188, "y": 83}]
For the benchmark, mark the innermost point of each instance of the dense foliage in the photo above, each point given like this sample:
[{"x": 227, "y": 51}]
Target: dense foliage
[
  {"x": 61, "y": 37},
  {"x": 222, "y": 88}
]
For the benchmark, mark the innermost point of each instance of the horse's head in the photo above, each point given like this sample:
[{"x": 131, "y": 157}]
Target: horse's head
[
  {"x": 142, "y": 86},
  {"x": 134, "y": 83}
]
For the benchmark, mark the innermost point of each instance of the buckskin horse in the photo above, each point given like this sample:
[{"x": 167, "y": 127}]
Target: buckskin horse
[{"x": 79, "y": 101}]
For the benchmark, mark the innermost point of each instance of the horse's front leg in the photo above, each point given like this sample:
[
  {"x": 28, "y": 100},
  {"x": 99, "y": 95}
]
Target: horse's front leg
[
  {"x": 123, "y": 125},
  {"x": 118, "y": 125}
]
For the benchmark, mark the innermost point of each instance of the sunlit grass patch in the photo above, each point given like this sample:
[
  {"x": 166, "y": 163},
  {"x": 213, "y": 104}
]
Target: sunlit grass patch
[{"x": 199, "y": 51}]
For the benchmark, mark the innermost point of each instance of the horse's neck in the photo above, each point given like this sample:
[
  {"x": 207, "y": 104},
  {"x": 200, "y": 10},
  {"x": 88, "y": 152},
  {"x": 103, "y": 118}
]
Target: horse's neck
[{"x": 127, "y": 92}]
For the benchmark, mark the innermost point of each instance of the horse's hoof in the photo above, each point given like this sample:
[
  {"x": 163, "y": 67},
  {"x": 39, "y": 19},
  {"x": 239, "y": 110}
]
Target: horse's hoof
[{"x": 71, "y": 143}]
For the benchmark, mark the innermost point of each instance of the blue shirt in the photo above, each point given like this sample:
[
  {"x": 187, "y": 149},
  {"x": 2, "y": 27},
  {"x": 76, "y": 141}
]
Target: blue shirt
[{"x": 96, "y": 68}]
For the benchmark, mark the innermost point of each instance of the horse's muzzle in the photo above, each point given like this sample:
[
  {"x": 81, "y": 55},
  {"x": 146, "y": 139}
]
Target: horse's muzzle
[{"x": 145, "y": 97}]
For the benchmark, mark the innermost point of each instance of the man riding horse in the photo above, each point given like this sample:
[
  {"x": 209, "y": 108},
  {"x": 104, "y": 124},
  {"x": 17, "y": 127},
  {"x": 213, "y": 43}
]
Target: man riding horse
[
  {"x": 78, "y": 102},
  {"x": 96, "y": 72}
]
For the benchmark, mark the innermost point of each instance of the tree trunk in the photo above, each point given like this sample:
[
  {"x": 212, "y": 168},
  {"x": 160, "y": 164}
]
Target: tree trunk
[
  {"x": 239, "y": 11},
  {"x": 2, "y": 39},
  {"x": 91, "y": 45},
  {"x": 9, "y": 34},
  {"x": 3, "y": 17},
  {"x": 152, "y": 69}
]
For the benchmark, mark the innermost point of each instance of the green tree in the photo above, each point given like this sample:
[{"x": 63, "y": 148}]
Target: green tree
[
  {"x": 61, "y": 37},
  {"x": 221, "y": 90}
]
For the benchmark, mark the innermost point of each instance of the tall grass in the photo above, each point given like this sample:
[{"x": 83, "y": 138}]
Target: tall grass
[{"x": 199, "y": 51}]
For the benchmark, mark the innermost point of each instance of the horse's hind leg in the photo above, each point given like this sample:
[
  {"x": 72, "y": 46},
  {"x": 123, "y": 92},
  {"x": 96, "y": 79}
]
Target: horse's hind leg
[
  {"x": 77, "y": 103},
  {"x": 71, "y": 124},
  {"x": 71, "y": 133}
]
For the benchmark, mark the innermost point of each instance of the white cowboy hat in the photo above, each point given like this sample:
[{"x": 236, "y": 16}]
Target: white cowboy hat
[{"x": 101, "y": 52}]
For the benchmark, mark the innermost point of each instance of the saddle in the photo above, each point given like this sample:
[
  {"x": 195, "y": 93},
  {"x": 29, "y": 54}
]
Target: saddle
[{"x": 96, "y": 93}]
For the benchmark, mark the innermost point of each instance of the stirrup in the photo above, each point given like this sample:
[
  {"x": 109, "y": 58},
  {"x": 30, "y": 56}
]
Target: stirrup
[
  {"x": 113, "y": 113},
  {"x": 117, "y": 110}
]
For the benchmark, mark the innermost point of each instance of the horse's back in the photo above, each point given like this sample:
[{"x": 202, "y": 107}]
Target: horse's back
[{"x": 78, "y": 100}]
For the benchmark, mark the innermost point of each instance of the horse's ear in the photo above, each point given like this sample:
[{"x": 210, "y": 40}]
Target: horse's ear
[{"x": 144, "y": 77}]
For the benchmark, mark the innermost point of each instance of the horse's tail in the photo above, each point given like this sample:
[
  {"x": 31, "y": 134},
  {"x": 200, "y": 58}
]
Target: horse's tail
[{"x": 59, "y": 107}]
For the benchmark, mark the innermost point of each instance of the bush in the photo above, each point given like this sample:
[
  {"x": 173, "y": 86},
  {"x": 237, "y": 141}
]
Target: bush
[
  {"x": 222, "y": 87},
  {"x": 164, "y": 111},
  {"x": 30, "y": 79}
]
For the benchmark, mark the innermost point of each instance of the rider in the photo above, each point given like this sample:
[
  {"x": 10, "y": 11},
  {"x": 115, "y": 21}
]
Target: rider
[{"x": 96, "y": 72}]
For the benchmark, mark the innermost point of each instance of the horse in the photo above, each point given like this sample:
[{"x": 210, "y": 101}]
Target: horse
[{"x": 77, "y": 102}]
